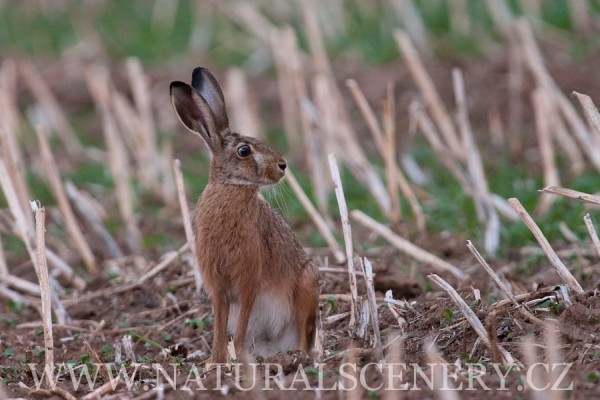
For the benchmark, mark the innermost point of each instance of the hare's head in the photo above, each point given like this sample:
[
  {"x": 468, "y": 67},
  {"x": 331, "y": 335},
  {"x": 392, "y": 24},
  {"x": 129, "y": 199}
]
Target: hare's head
[{"x": 236, "y": 159}]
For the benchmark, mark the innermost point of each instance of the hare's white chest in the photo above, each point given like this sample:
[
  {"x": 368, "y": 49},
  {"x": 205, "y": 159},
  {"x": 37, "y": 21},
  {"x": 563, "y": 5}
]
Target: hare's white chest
[{"x": 272, "y": 327}]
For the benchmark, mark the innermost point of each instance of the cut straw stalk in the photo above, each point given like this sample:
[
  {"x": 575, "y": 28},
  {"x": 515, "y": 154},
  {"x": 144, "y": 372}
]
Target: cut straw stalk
[
  {"x": 58, "y": 190},
  {"x": 554, "y": 358},
  {"x": 299, "y": 111},
  {"x": 319, "y": 346},
  {"x": 386, "y": 147},
  {"x": 566, "y": 142},
  {"x": 592, "y": 231},
  {"x": 429, "y": 92},
  {"x": 471, "y": 152},
  {"x": 536, "y": 377},
  {"x": 481, "y": 194},
  {"x": 117, "y": 156},
  {"x": 9, "y": 129},
  {"x": 292, "y": 61},
  {"x": 59, "y": 121},
  {"x": 368, "y": 271},
  {"x": 243, "y": 116},
  {"x": 408, "y": 13},
  {"x": 543, "y": 109},
  {"x": 556, "y": 262},
  {"x": 591, "y": 113},
  {"x": 389, "y": 155},
  {"x": 318, "y": 220},
  {"x": 441, "y": 381},
  {"x": 391, "y": 305},
  {"x": 84, "y": 207},
  {"x": 148, "y": 169},
  {"x": 167, "y": 259},
  {"x": 470, "y": 316},
  {"x": 334, "y": 118},
  {"x": 249, "y": 16},
  {"x": 493, "y": 274},
  {"x": 341, "y": 200},
  {"x": 533, "y": 58},
  {"x": 367, "y": 114},
  {"x": 26, "y": 232},
  {"x": 21, "y": 284},
  {"x": 187, "y": 224},
  {"x": 426, "y": 125},
  {"x": 42, "y": 272},
  {"x": 405, "y": 246},
  {"x": 120, "y": 170},
  {"x": 582, "y": 15},
  {"x": 573, "y": 194},
  {"x": 516, "y": 81},
  {"x": 501, "y": 16},
  {"x": 394, "y": 366},
  {"x": 503, "y": 286},
  {"x": 339, "y": 134},
  {"x": 21, "y": 225},
  {"x": 285, "y": 54},
  {"x": 460, "y": 17}
]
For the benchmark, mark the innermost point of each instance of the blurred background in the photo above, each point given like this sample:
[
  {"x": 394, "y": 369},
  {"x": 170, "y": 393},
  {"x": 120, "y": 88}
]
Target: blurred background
[{"x": 358, "y": 78}]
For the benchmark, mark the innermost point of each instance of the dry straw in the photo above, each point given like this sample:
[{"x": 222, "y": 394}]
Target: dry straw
[
  {"x": 591, "y": 113},
  {"x": 573, "y": 194},
  {"x": 341, "y": 200},
  {"x": 117, "y": 157},
  {"x": 534, "y": 60},
  {"x": 372, "y": 302},
  {"x": 389, "y": 155},
  {"x": 432, "y": 98},
  {"x": 149, "y": 172},
  {"x": 405, "y": 246},
  {"x": 9, "y": 132},
  {"x": 187, "y": 224},
  {"x": 59, "y": 121},
  {"x": 556, "y": 262},
  {"x": 42, "y": 272},
  {"x": 481, "y": 194},
  {"x": 243, "y": 116},
  {"x": 471, "y": 317},
  {"x": 410, "y": 17},
  {"x": 592, "y": 231},
  {"x": 440, "y": 381},
  {"x": 58, "y": 190},
  {"x": 287, "y": 64},
  {"x": 542, "y": 108},
  {"x": 88, "y": 212},
  {"x": 317, "y": 219},
  {"x": 502, "y": 285},
  {"x": 386, "y": 145}
]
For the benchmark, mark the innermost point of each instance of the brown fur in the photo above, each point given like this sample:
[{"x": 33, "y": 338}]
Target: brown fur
[{"x": 245, "y": 249}]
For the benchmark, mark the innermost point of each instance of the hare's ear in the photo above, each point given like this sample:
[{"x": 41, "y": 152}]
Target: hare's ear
[
  {"x": 194, "y": 112},
  {"x": 208, "y": 87}
]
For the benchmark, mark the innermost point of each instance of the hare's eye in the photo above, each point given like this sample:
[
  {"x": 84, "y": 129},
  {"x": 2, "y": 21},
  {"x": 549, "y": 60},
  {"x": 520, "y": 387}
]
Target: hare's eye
[{"x": 244, "y": 151}]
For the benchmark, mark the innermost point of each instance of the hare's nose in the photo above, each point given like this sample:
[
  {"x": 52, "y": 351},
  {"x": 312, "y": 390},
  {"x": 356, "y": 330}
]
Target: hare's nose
[{"x": 282, "y": 165}]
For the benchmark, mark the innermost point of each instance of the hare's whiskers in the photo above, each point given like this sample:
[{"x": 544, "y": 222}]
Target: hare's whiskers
[{"x": 276, "y": 199}]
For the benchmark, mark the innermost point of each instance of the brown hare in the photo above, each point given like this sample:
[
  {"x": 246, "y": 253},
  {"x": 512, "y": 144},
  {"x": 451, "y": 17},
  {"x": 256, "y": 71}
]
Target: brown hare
[{"x": 263, "y": 286}]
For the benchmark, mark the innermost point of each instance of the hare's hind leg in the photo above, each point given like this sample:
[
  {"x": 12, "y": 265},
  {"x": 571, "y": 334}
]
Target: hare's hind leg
[
  {"x": 221, "y": 309},
  {"x": 306, "y": 302}
]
